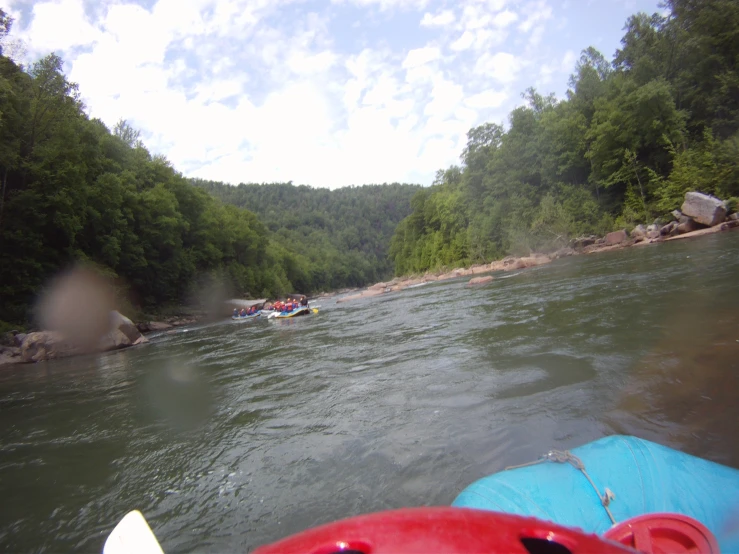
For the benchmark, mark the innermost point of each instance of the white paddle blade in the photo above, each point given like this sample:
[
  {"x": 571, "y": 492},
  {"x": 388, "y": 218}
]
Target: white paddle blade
[{"x": 132, "y": 536}]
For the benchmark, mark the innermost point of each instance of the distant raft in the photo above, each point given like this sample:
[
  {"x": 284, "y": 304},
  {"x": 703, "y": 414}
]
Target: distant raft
[
  {"x": 302, "y": 310},
  {"x": 630, "y": 477},
  {"x": 245, "y": 317}
]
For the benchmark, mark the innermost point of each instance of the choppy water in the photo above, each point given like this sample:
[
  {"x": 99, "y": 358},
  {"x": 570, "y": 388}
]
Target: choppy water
[{"x": 235, "y": 434}]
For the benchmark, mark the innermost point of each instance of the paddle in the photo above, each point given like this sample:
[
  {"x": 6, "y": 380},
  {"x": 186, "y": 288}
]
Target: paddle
[{"x": 132, "y": 535}]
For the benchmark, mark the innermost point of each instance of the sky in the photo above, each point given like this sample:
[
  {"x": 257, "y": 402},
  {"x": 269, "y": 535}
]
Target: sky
[{"x": 326, "y": 93}]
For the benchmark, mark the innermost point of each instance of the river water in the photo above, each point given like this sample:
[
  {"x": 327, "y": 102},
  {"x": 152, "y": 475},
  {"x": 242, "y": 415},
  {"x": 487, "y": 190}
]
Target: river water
[{"x": 235, "y": 434}]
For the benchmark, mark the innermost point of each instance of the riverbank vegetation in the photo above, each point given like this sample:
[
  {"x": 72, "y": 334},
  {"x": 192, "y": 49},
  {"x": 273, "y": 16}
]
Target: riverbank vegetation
[
  {"x": 73, "y": 191},
  {"x": 632, "y": 136}
]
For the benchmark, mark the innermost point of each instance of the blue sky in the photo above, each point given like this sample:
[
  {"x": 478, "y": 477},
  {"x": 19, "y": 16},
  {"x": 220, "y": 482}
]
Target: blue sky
[{"x": 320, "y": 92}]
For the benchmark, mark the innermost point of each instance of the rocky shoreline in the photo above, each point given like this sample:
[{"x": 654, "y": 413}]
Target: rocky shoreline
[{"x": 700, "y": 215}]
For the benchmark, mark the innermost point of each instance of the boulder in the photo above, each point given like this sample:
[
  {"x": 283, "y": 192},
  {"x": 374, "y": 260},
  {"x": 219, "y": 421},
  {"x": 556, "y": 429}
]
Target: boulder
[
  {"x": 688, "y": 227},
  {"x": 536, "y": 259},
  {"x": 733, "y": 217},
  {"x": 18, "y": 338},
  {"x": 616, "y": 237},
  {"x": 582, "y": 242},
  {"x": 639, "y": 232},
  {"x": 46, "y": 345},
  {"x": 480, "y": 280},
  {"x": 703, "y": 208},
  {"x": 653, "y": 234},
  {"x": 122, "y": 333},
  {"x": 732, "y": 224},
  {"x": 677, "y": 214},
  {"x": 670, "y": 229},
  {"x": 564, "y": 252},
  {"x": 158, "y": 326},
  {"x": 653, "y": 227},
  {"x": 10, "y": 355}
]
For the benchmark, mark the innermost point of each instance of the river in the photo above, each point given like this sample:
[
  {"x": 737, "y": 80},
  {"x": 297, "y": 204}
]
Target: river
[{"x": 235, "y": 434}]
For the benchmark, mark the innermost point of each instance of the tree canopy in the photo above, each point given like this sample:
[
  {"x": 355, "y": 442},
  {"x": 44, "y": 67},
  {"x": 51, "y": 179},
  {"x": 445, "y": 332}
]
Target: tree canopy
[{"x": 631, "y": 137}]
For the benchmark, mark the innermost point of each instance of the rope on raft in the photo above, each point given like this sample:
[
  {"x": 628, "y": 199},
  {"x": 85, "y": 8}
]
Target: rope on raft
[{"x": 565, "y": 456}]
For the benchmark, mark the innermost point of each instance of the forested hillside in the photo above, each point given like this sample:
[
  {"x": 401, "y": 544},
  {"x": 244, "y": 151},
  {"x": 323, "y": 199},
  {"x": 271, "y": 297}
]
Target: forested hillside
[
  {"x": 343, "y": 235},
  {"x": 74, "y": 191},
  {"x": 632, "y": 136}
]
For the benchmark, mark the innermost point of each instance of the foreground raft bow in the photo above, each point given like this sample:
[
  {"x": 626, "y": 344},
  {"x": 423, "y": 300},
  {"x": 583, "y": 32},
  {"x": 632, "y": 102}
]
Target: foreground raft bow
[{"x": 615, "y": 495}]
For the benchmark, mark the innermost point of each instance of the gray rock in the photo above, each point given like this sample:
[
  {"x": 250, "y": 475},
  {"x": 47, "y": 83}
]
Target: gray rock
[
  {"x": 653, "y": 234},
  {"x": 47, "y": 345},
  {"x": 480, "y": 280},
  {"x": 640, "y": 231},
  {"x": 703, "y": 208},
  {"x": 581, "y": 242},
  {"x": 616, "y": 237},
  {"x": 564, "y": 252},
  {"x": 689, "y": 226},
  {"x": 734, "y": 216},
  {"x": 669, "y": 229},
  {"x": 159, "y": 326},
  {"x": 122, "y": 333},
  {"x": 677, "y": 214},
  {"x": 653, "y": 227}
]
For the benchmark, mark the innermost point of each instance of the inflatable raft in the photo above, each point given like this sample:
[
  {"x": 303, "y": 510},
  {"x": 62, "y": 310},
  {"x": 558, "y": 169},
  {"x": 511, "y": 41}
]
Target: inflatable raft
[
  {"x": 630, "y": 477},
  {"x": 243, "y": 317},
  {"x": 616, "y": 495},
  {"x": 302, "y": 310}
]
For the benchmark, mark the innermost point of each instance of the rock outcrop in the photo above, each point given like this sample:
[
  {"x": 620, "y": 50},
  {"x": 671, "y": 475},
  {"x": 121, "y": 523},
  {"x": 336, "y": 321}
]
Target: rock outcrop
[
  {"x": 616, "y": 237},
  {"x": 10, "y": 355},
  {"x": 639, "y": 232},
  {"x": 153, "y": 326},
  {"x": 47, "y": 345},
  {"x": 122, "y": 333},
  {"x": 688, "y": 226},
  {"x": 480, "y": 280},
  {"x": 703, "y": 208}
]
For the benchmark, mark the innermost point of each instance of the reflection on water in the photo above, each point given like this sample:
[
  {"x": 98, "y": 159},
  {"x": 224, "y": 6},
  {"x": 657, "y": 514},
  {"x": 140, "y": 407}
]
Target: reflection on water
[{"x": 234, "y": 434}]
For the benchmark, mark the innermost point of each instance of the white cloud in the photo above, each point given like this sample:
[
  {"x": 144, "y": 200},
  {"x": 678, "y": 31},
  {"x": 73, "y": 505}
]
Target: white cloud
[
  {"x": 538, "y": 12},
  {"x": 463, "y": 42},
  {"x": 421, "y": 56},
  {"x": 49, "y": 33},
  {"x": 439, "y": 20},
  {"x": 387, "y": 4},
  {"x": 505, "y": 18},
  {"x": 501, "y": 66},
  {"x": 266, "y": 90},
  {"x": 568, "y": 61},
  {"x": 490, "y": 98}
]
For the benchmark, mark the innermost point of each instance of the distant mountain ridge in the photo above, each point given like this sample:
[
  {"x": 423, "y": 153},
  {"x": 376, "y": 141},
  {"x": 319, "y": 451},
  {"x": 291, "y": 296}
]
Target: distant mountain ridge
[{"x": 344, "y": 233}]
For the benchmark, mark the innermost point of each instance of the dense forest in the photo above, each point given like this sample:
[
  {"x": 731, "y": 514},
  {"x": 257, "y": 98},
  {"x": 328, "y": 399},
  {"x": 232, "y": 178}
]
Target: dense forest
[
  {"x": 630, "y": 139},
  {"x": 343, "y": 235},
  {"x": 73, "y": 191}
]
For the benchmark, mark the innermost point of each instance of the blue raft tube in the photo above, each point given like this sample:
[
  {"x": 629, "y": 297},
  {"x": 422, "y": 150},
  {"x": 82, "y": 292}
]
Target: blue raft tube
[{"x": 611, "y": 480}]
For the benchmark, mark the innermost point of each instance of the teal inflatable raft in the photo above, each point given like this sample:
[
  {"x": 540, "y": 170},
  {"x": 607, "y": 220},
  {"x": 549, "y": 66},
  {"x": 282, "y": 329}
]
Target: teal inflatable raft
[{"x": 630, "y": 476}]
